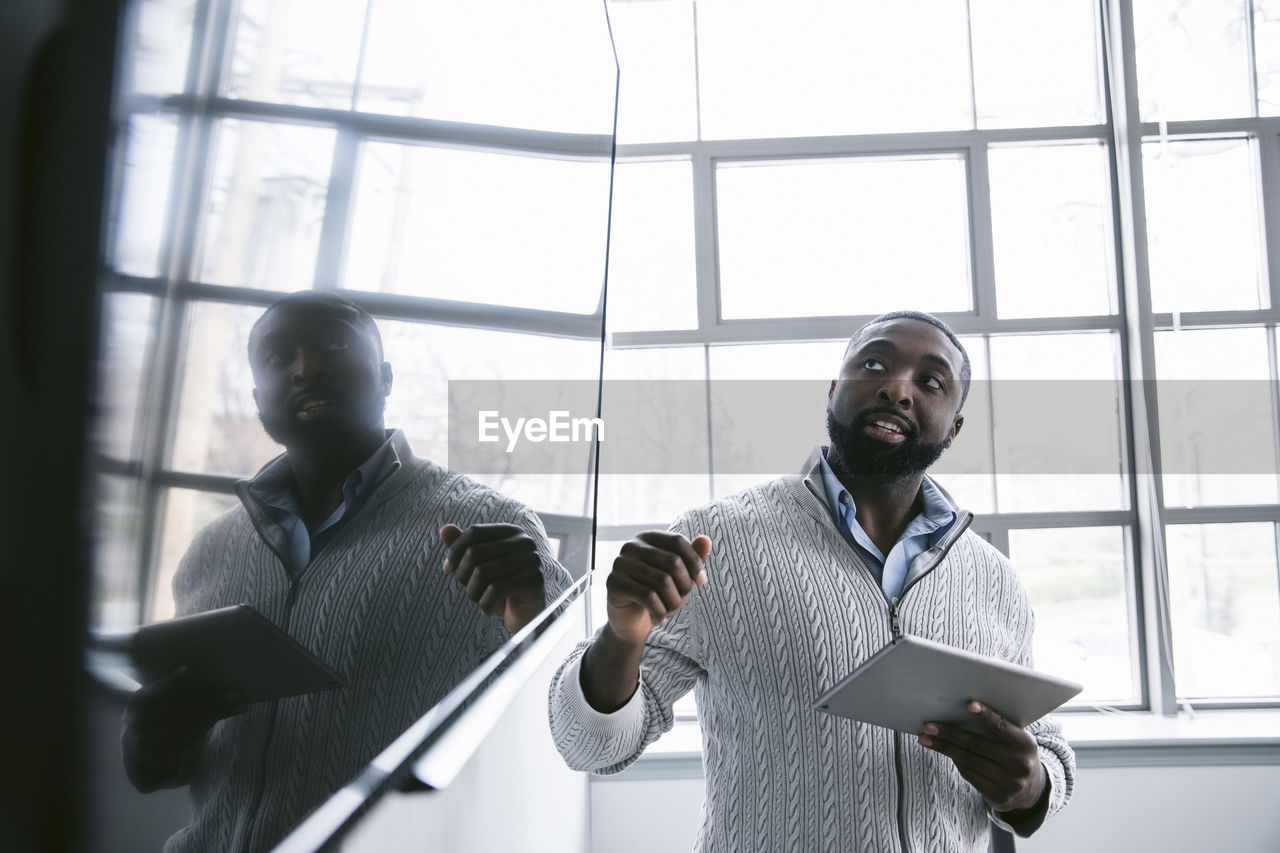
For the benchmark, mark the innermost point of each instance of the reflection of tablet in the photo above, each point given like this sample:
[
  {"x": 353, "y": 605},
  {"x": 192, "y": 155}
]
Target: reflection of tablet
[
  {"x": 913, "y": 681},
  {"x": 233, "y": 648}
]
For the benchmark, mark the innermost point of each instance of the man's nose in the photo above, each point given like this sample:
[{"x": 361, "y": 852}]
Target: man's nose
[
  {"x": 895, "y": 390},
  {"x": 307, "y": 365}
]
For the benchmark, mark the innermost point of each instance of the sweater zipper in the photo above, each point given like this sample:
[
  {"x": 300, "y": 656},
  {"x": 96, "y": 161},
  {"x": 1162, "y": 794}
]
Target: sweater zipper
[
  {"x": 896, "y": 627},
  {"x": 260, "y": 783}
]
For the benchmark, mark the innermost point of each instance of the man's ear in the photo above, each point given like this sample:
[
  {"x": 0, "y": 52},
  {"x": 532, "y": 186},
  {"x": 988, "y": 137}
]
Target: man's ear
[
  {"x": 386, "y": 378},
  {"x": 831, "y": 390},
  {"x": 255, "y": 400},
  {"x": 955, "y": 428}
]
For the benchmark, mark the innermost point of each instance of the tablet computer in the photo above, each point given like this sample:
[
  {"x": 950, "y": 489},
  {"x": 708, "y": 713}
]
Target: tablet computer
[
  {"x": 232, "y": 648},
  {"x": 913, "y": 681}
]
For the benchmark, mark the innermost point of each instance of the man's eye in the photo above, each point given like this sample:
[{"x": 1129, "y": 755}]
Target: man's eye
[
  {"x": 872, "y": 364},
  {"x": 338, "y": 345},
  {"x": 276, "y": 358},
  {"x": 932, "y": 382}
]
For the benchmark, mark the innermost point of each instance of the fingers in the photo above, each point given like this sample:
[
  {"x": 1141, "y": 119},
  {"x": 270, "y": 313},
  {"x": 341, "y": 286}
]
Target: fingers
[
  {"x": 691, "y": 554},
  {"x": 167, "y": 715},
  {"x": 1001, "y": 761},
  {"x": 460, "y": 542},
  {"x": 965, "y": 752},
  {"x": 657, "y": 571},
  {"x": 495, "y": 563},
  {"x": 449, "y": 534}
]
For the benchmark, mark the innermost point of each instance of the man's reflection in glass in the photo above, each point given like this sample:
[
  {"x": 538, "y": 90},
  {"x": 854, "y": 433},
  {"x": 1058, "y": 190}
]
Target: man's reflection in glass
[{"x": 399, "y": 574}]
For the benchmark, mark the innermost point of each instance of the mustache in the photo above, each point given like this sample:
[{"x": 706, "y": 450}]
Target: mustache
[
  {"x": 911, "y": 429},
  {"x": 311, "y": 392}
]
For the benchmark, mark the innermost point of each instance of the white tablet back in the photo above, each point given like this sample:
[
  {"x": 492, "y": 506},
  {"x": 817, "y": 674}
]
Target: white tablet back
[{"x": 913, "y": 681}]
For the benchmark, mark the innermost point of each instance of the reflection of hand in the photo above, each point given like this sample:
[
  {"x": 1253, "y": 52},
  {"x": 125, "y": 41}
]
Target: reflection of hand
[
  {"x": 653, "y": 576},
  {"x": 1002, "y": 762},
  {"x": 500, "y": 568},
  {"x": 164, "y": 719}
]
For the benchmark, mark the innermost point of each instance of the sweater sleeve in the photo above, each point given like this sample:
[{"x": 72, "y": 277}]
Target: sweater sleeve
[
  {"x": 1056, "y": 754},
  {"x": 555, "y": 578},
  {"x": 669, "y": 668},
  {"x": 608, "y": 743}
]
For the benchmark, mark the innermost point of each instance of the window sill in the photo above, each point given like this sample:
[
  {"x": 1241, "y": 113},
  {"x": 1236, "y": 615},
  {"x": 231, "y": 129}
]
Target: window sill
[{"x": 1115, "y": 739}]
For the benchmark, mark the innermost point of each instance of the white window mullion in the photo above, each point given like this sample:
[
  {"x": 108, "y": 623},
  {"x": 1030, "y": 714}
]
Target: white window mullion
[
  {"x": 706, "y": 261},
  {"x": 981, "y": 239},
  {"x": 1149, "y": 552}
]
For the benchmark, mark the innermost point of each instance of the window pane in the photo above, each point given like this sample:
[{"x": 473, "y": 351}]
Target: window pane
[
  {"x": 1058, "y": 422},
  {"x": 656, "y": 97},
  {"x": 1056, "y": 79},
  {"x": 850, "y": 236},
  {"x": 296, "y": 52},
  {"x": 117, "y": 533},
  {"x": 512, "y": 63},
  {"x": 1204, "y": 225},
  {"x": 265, "y": 206},
  {"x": 158, "y": 44},
  {"x": 1051, "y": 215},
  {"x": 218, "y": 431},
  {"x": 475, "y": 226},
  {"x": 1193, "y": 59},
  {"x": 652, "y": 278},
  {"x": 1266, "y": 49},
  {"x": 654, "y": 498},
  {"x": 967, "y": 470},
  {"x": 811, "y": 360},
  {"x": 1076, "y": 580},
  {"x": 124, "y": 362},
  {"x": 831, "y": 68},
  {"x": 1225, "y": 610},
  {"x": 185, "y": 512},
  {"x": 143, "y": 177},
  {"x": 768, "y": 409},
  {"x": 426, "y": 357},
  {"x": 1217, "y": 417}
]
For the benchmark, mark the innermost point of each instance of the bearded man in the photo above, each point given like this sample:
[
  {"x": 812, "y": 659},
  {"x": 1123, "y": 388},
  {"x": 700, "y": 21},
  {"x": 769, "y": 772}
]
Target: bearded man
[
  {"x": 355, "y": 547},
  {"x": 812, "y": 574}
]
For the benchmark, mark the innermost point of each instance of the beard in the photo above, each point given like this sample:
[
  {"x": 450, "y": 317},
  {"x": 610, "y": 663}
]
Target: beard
[
  {"x": 348, "y": 426},
  {"x": 859, "y": 454}
]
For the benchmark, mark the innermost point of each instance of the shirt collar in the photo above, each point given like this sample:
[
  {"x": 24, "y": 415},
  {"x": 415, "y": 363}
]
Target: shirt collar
[
  {"x": 936, "y": 512},
  {"x": 272, "y": 485}
]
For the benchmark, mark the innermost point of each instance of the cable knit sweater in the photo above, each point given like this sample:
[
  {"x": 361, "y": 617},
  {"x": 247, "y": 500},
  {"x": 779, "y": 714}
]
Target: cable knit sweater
[
  {"x": 373, "y": 604},
  {"x": 788, "y": 611}
]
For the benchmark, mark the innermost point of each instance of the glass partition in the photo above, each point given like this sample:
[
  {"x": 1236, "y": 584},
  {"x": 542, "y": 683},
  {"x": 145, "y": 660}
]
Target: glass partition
[{"x": 444, "y": 167}]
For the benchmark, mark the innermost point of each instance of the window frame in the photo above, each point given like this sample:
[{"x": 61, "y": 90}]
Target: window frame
[
  {"x": 1123, "y": 134},
  {"x": 197, "y": 110}
]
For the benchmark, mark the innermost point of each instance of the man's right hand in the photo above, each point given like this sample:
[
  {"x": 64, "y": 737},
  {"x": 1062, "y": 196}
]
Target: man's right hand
[
  {"x": 653, "y": 576},
  {"x": 164, "y": 719}
]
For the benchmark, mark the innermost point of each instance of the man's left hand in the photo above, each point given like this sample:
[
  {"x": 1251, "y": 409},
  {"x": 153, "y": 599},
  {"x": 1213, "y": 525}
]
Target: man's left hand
[
  {"x": 1002, "y": 762},
  {"x": 500, "y": 568}
]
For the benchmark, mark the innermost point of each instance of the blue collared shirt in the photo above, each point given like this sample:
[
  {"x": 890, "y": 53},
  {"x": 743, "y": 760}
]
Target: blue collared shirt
[
  {"x": 922, "y": 533},
  {"x": 272, "y": 487}
]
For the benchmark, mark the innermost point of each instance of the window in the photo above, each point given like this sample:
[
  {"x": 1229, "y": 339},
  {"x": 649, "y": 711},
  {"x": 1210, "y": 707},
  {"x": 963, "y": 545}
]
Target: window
[
  {"x": 1105, "y": 255},
  {"x": 459, "y": 192}
]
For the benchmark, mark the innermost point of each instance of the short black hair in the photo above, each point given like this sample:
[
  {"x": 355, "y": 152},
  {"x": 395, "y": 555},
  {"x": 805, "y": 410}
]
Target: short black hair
[
  {"x": 966, "y": 370},
  {"x": 326, "y": 299}
]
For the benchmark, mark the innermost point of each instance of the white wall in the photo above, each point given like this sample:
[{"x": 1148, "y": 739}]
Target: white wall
[
  {"x": 1167, "y": 809},
  {"x": 515, "y": 794},
  {"x": 1164, "y": 809}
]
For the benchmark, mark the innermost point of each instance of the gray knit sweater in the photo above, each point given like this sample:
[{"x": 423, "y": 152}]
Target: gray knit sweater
[
  {"x": 789, "y": 610},
  {"x": 373, "y": 604}
]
